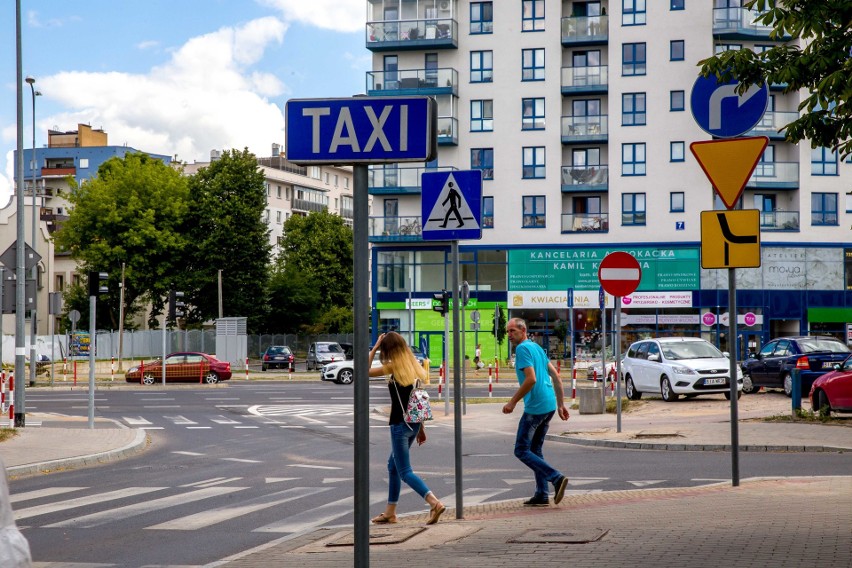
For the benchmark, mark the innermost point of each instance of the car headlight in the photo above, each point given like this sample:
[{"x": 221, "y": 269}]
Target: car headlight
[
  {"x": 331, "y": 367},
  {"x": 132, "y": 369},
  {"x": 681, "y": 370}
]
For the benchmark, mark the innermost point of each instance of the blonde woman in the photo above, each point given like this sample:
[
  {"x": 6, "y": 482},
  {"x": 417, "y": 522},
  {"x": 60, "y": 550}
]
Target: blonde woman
[{"x": 403, "y": 370}]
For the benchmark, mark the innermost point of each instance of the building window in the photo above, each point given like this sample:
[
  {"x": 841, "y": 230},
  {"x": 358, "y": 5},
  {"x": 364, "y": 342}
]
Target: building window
[
  {"x": 534, "y": 212},
  {"x": 278, "y": 217},
  {"x": 633, "y": 209},
  {"x": 532, "y": 16},
  {"x": 677, "y": 151},
  {"x": 676, "y": 101},
  {"x": 678, "y": 4},
  {"x": 532, "y": 114},
  {"x": 633, "y": 12},
  {"x": 483, "y": 159},
  {"x": 278, "y": 192},
  {"x": 487, "y": 212},
  {"x": 481, "y": 66},
  {"x": 633, "y": 159},
  {"x": 481, "y": 17},
  {"x": 677, "y": 50},
  {"x": 823, "y": 209},
  {"x": 632, "y": 109},
  {"x": 533, "y": 64},
  {"x": 482, "y": 116},
  {"x": 676, "y": 202},
  {"x": 633, "y": 59},
  {"x": 823, "y": 162},
  {"x": 534, "y": 162},
  {"x": 84, "y": 163}
]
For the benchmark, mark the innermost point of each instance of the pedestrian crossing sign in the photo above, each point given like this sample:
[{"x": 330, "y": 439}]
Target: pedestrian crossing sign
[{"x": 451, "y": 205}]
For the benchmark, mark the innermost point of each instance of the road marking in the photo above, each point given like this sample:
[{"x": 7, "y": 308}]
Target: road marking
[
  {"x": 224, "y": 420},
  {"x": 137, "y": 421},
  {"x": 240, "y": 460},
  {"x": 647, "y": 482},
  {"x": 246, "y": 427},
  {"x": 199, "y": 427},
  {"x": 180, "y": 420},
  {"x": 310, "y": 519},
  {"x": 309, "y": 466},
  {"x": 29, "y": 512},
  {"x": 281, "y": 479},
  {"x": 48, "y": 492},
  {"x": 151, "y": 428},
  {"x": 185, "y": 453}
]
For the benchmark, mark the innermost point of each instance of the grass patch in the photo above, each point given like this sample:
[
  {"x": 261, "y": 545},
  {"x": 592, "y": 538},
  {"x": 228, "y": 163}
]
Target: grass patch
[
  {"x": 611, "y": 405},
  {"x": 7, "y": 434},
  {"x": 822, "y": 416}
]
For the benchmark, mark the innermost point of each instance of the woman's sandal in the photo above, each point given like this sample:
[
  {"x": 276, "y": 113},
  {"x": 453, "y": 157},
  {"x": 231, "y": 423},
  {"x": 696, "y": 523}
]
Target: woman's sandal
[
  {"x": 383, "y": 519},
  {"x": 435, "y": 513}
]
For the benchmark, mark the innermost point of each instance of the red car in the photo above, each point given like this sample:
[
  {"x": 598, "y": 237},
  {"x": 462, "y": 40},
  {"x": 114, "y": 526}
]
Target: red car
[
  {"x": 834, "y": 390},
  {"x": 186, "y": 367}
]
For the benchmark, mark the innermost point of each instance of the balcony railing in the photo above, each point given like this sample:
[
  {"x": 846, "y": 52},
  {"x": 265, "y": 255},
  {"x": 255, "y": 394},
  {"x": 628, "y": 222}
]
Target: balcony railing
[
  {"x": 739, "y": 23},
  {"x": 779, "y": 221},
  {"x": 395, "y": 229},
  {"x": 775, "y": 175},
  {"x": 772, "y": 123},
  {"x": 577, "y": 80},
  {"x": 58, "y": 172},
  {"x": 585, "y": 129},
  {"x": 310, "y": 206},
  {"x": 585, "y": 222},
  {"x": 442, "y": 81},
  {"x": 396, "y": 180},
  {"x": 585, "y": 178},
  {"x": 396, "y": 35},
  {"x": 448, "y": 131},
  {"x": 585, "y": 30}
]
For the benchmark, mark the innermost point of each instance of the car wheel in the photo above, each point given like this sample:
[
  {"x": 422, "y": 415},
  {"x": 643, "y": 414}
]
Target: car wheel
[
  {"x": 345, "y": 377},
  {"x": 263, "y": 368},
  {"x": 211, "y": 378},
  {"x": 666, "y": 390},
  {"x": 748, "y": 385},
  {"x": 630, "y": 389},
  {"x": 788, "y": 385},
  {"x": 823, "y": 405},
  {"x": 148, "y": 379},
  {"x": 728, "y": 395}
]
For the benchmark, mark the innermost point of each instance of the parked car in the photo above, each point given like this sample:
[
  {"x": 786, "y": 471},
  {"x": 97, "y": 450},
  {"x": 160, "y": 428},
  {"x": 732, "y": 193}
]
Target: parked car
[
  {"x": 343, "y": 372},
  {"x": 674, "y": 366},
  {"x": 772, "y": 366},
  {"x": 348, "y": 350},
  {"x": 322, "y": 353},
  {"x": 833, "y": 390},
  {"x": 188, "y": 367},
  {"x": 277, "y": 357}
]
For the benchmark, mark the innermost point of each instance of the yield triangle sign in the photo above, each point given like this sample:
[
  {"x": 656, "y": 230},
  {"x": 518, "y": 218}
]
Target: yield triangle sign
[{"x": 728, "y": 164}]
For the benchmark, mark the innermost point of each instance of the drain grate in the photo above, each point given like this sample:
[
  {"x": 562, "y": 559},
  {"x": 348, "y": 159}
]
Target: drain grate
[
  {"x": 379, "y": 536},
  {"x": 571, "y": 536}
]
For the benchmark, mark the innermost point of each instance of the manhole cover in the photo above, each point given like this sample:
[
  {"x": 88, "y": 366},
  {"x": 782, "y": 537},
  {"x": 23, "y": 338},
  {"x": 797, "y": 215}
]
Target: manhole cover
[
  {"x": 651, "y": 434},
  {"x": 569, "y": 536},
  {"x": 379, "y": 536}
]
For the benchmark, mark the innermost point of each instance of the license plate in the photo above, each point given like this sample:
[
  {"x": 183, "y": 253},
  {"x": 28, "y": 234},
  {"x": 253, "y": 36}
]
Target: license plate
[
  {"x": 828, "y": 365},
  {"x": 717, "y": 381}
]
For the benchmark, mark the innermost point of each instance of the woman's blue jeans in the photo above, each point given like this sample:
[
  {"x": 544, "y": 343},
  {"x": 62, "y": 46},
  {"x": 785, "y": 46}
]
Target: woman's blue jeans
[
  {"x": 399, "y": 463},
  {"x": 528, "y": 448}
]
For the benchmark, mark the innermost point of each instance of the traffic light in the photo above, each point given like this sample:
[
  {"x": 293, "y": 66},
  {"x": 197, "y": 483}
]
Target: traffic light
[
  {"x": 176, "y": 304},
  {"x": 97, "y": 285},
  {"x": 443, "y": 299}
]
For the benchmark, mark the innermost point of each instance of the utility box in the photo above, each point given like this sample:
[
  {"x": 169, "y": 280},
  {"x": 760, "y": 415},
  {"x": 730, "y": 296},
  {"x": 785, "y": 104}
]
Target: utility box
[
  {"x": 591, "y": 400},
  {"x": 232, "y": 341}
]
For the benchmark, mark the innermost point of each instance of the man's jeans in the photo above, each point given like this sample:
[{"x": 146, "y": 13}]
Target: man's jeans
[
  {"x": 399, "y": 464},
  {"x": 528, "y": 448}
]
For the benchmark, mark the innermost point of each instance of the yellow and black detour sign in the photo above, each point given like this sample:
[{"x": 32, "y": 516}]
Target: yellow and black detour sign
[{"x": 730, "y": 239}]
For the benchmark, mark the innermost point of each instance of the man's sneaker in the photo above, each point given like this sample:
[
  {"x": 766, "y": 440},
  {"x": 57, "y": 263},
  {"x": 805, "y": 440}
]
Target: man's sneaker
[
  {"x": 537, "y": 502},
  {"x": 560, "y": 485}
]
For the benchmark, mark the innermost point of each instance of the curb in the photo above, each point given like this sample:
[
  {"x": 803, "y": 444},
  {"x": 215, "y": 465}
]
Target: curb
[
  {"x": 691, "y": 447},
  {"x": 139, "y": 444}
]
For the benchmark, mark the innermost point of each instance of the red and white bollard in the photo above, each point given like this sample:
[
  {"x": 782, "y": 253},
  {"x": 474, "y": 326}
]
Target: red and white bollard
[
  {"x": 65, "y": 368},
  {"x": 496, "y": 373},
  {"x": 574, "y": 387},
  {"x": 489, "y": 387},
  {"x": 440, "y": 379},
  {"x": 595, "y": 376},
  {"x": 2, "y": 391},
  {"x": 112, "y": 369},
  {"x": 612, "y": 381},
  {"x": 75, "y": 372},
  {"x": 559, "y": 365},
  {"x": 11, "y": 401},
  {"x": 246, "y": 368}
]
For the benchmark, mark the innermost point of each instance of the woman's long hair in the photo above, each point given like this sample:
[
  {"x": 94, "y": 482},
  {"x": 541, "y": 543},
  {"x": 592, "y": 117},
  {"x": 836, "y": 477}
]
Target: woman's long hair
[{"x": 400, "y": 362}]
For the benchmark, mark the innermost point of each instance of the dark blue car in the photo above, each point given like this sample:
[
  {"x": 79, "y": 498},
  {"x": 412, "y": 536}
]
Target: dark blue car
[{"x": 772, "y": 366}]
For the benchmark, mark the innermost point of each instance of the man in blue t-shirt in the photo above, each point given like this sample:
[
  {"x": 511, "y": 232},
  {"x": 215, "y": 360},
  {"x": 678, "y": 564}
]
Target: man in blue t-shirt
[{"x": 541, "y": 389}]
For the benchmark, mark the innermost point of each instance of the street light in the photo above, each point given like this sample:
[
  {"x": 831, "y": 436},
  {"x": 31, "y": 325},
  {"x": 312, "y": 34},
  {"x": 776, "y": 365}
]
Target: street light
[{"x": 33, "y": 314}]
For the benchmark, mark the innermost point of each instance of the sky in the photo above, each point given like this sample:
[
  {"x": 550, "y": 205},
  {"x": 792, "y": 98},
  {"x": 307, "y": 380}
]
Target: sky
[{"x": 177, "y": 77}]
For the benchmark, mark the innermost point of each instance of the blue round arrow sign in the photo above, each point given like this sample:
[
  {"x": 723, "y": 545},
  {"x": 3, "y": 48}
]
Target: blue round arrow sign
[{"x": 720, "y": 111}]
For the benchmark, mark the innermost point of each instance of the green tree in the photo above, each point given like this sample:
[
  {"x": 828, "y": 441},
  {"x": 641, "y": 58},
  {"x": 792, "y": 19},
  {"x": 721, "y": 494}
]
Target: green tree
[
  {"x": 821, "y": 67},
  {"x": 131, "y": 212},
  {"x": 500, "y": 331},
  {"x": 227, "y": 231},
  {"x": 294, "y": 301}
]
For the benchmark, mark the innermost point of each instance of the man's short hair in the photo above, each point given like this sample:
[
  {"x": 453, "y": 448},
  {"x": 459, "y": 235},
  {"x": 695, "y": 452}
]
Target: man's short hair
[{"x": 520, "y": 323}]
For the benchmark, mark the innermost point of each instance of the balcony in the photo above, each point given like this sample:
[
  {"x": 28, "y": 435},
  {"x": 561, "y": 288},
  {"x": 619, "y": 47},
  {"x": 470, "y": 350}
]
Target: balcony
[
  {"x": 586, "y": 30},
  {"x": 395, "y": 229},
  {"x": 585, "y": 178},
  {"x": 585, "y": 80},
  {"x": 448, "y": 131},
  {"x": 309, "y": 206},
  {"x": 779, "y": 221},
  {"x": 58, "y": 172},
  {"x": 775, "y": 175},
  {"x": 585, "y": 129},
  {"x": 410, "y": 35},
  {"x": 772, "y": 123},
  {"x": 407, "y": 82},
  {"x": 739, "y": 23},
  {"x": 392, "y": 180},
  {"x": 585, "y": 222}
]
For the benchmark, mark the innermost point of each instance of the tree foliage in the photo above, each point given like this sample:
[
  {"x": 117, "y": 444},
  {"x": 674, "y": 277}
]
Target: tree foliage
[
  {"x": 227, "y": 231},
  {"x": 821, "y": 66},
  {"x": 131, "y": 212},
  {"x": 294, "y": 301}
]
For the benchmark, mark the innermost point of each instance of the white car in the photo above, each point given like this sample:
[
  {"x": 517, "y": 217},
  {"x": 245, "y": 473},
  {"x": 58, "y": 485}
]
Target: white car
[
  {"x": 674, "y": 366},
  {"x": 343, "y": 372}
]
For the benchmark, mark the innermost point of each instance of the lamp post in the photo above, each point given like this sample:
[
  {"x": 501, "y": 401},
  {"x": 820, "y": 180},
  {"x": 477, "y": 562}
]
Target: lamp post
[{"x": 33, "y": 314}]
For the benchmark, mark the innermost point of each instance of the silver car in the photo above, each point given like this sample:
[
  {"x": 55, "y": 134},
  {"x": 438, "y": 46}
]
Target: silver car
[{"x": 322, "y": 353}]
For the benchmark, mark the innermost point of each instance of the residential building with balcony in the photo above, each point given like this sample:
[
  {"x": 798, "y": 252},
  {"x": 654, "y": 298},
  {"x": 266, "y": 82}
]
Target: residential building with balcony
[{"x": 578, "y": 115}]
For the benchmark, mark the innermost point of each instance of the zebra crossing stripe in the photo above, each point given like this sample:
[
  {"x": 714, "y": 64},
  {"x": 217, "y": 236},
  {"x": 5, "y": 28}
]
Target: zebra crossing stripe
[
  {"x": 29, "y": 512},
  {"x": 48, "y": 492}
]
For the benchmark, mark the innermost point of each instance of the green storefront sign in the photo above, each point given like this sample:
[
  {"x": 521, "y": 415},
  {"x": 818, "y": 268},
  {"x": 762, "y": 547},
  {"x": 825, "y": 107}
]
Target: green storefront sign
[{"x": 560, "y": 269}]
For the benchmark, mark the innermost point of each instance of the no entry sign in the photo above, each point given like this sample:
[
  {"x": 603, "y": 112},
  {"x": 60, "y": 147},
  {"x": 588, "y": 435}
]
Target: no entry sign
[{"x": 619, "y": 274}]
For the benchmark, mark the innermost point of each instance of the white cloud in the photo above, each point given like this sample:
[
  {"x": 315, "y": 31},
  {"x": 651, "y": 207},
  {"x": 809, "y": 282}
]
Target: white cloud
[
  {"x": 149, "y": 44},
  {"x": 338, "y": 15}
]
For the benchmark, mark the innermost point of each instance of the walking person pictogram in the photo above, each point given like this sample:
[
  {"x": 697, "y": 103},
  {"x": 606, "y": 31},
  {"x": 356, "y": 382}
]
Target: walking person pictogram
[{"x": 454, "y": 198}]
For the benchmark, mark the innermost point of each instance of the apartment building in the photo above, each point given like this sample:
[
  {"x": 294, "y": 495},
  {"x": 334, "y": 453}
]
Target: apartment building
[{"x": 578, "y": 115}]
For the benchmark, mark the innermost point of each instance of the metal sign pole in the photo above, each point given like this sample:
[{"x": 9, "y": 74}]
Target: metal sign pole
[
  {"x": 618, "y": 364},
  {"x": 732, "y": 348},
  {"x": 457, "y": 422},
  {"x": 92, "y": 303},
  {"x": 603, "y": 353}
]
